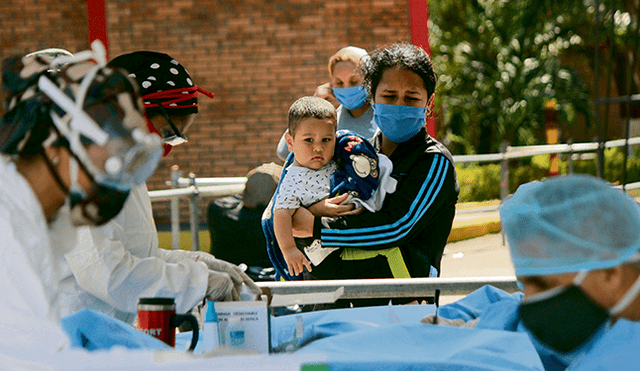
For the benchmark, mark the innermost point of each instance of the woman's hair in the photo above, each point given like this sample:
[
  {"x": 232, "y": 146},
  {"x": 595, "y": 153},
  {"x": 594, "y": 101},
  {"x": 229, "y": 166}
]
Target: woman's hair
[
  {"x": 351, "y": 54},
  {"x": 310, "y": 107},
  {"x": 402, "y": 55}
]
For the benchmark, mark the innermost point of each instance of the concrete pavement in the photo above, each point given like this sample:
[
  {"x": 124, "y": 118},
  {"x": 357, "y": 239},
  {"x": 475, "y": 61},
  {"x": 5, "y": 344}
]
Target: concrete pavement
[
  {"x": 482, "y": 256},
  {"x": 475, "y": 247}
]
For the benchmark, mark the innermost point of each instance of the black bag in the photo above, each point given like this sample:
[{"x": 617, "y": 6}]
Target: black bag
[
  {"x": 234, "y": 222},
  {"x": 236, "y": 234}
]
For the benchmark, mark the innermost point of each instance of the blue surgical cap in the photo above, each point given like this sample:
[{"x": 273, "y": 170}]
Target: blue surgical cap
[{"x": 568, "y": 224}]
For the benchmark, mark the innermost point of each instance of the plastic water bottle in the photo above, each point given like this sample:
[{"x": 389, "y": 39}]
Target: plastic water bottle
[
  {"x": 210, "y": 328},
  {"x": 234, "y": 334}
]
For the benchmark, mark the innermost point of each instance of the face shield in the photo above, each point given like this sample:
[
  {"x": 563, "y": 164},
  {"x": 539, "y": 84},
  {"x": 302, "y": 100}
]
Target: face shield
[
  {"x": 100, "y": 117},
  {"x": 183, "y": 100},
  {"x": 167, "y": 90},
  {"x": 74, "y": 101},
  {"x": 117, "y": 152}
]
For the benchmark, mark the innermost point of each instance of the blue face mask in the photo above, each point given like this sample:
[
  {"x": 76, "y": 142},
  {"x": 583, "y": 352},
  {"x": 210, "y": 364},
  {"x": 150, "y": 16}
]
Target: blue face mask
[
  {"x": 399, "y": 123},
  {"x": 351, "y": 98}
]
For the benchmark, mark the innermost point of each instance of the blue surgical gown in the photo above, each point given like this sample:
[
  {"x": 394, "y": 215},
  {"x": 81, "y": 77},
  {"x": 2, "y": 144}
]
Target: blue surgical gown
[{"x": 615, "y": 348}]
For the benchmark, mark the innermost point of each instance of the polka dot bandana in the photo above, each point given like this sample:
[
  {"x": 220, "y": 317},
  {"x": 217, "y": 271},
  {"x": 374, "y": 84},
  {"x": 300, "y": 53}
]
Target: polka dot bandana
[{"x": 163, "y": 81}]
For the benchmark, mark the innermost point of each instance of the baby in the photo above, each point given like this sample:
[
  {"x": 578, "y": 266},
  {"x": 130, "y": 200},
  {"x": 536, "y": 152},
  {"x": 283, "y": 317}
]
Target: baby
[
  {"x": 324, "y": 164},
  {"x": 312, "y": 139}
]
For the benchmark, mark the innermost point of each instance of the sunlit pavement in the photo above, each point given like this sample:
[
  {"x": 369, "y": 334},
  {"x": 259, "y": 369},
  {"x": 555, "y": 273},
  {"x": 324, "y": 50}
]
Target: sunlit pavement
[{"x": 476, "y": 257}]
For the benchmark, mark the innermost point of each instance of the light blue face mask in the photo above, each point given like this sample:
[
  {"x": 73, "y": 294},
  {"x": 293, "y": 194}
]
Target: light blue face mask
[
  {"x": 351, "y": 98},
  {"x": 399, "y": 123}
]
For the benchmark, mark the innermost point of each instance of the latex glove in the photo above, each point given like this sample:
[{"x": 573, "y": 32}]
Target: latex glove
[
  {"x": 220, "y": 287},
  {"x": 238, "y": 277},
  {"x": 430, "y": 320},
  {"x": 175, "y": 256},
  {"x": 236, "y": 274}
]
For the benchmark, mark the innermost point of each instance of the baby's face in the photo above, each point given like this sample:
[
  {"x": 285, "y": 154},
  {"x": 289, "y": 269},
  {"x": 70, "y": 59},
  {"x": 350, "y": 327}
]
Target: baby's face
[{"x": 313, "y": 142}]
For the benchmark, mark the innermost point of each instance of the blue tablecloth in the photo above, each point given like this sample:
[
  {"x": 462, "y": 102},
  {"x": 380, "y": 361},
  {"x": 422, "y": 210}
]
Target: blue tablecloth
[
  {"x": 427, "y": 347},
  {"x": 391, "y": 338},
  {"x": 321, "y": 324}
]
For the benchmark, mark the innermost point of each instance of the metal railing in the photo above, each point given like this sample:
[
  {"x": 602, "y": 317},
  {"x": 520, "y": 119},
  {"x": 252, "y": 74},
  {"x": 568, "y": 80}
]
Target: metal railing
[
  {"x": 193, "y": 188},
  {"x": 390, "y": 287},
  {"x": 510, "y": 153}
]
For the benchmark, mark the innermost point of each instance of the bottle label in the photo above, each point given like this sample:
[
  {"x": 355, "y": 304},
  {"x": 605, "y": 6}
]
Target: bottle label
[{"x": 236, "y": 338}]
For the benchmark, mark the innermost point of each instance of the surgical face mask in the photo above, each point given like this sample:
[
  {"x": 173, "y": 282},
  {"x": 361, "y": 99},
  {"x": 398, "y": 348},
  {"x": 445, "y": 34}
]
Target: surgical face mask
[
  {"x": 351, "y": 98},
  {"x": 553, "y": 356},
  {"x": 98, "y": 208},
  {"x": 563, "y": 318},
  {"x": 399, "y": 123}
]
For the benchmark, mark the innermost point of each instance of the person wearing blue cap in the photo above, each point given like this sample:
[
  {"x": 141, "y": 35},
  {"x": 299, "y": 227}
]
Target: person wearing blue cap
[{"x": 575, "y": 244}]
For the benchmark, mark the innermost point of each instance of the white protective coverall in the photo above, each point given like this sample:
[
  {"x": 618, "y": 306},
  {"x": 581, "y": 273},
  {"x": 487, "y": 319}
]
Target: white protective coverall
[
  {"x": 113, "y": 265},
  {"x": 28, "y": 276}
]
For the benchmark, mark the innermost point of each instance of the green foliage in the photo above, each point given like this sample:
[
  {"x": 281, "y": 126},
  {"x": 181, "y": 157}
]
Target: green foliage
[
  {"x": 614, "y": 157},
  {"x": 520, "y": 173},
  {"x": 482, "y": 182},
  {"x": 479, "y": 183},
  {"x": 499, "y": 63}
]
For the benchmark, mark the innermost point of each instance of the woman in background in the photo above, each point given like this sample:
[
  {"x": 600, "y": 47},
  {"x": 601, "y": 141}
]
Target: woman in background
[
  {"x": 407, "y": 236},
  {"x": 347, "y": 93}
]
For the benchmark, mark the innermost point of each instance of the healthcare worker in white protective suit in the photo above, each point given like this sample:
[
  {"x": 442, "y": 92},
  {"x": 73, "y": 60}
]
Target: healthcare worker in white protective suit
[
  {"x": 73, "y": 137},
  {"x": 115, "y": 264},
  {"x": 575, "y": 245}
]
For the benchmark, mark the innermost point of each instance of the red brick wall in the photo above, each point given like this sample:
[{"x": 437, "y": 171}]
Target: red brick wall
[{"x": 256, "y": 56}]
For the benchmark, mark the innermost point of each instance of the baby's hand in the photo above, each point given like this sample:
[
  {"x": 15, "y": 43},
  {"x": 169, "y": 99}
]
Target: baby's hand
[{"x": 296, "y": 261}]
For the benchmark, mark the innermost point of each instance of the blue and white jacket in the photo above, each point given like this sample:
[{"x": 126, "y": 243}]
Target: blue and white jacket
[{"x": 417, "y": 217}]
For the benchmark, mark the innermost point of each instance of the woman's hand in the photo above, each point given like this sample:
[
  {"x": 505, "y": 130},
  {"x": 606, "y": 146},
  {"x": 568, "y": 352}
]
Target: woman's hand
[
  {"x": 324, "y": 91},
  {"x": 332, "y": 207},
  {"x": 302, "y": 219}
]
